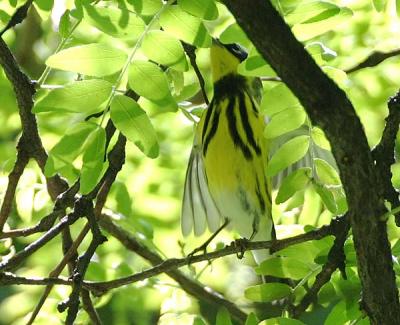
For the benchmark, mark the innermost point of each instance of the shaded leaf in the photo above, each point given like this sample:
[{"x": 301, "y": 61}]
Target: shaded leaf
[
  {"x": 223, "y": 317},
  {"x": 287, "y": 154},
  {"x": 296, "y": 181},
  {"x": 281, "y": 321},
  {"x": 267, "y": 292},
  {"x": 326, "y": 196},
  {"x": 284, "y": 267},
  {"x": 92, "y": 160}
]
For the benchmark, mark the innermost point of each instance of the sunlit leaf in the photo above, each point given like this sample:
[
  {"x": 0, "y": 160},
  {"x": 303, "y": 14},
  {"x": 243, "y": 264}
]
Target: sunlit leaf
[
  {"x": 267, "y": 292},
  {"x": 234, "y": 34},
  {"x": 319, "y": 138},
  {"x": 310, "y": 29},
  {"x": 92, "y": 160},
  {"x": 84, "y": 96},
  {"x": 165, "y": 49},
  {"x": 326, "y": 196},
  {"x": 296, "y": 181},
  {"x": 184, "y": 26},
  {"x": 205, "y": 9},
  {"x": 255, "y": 66},
  {"x": 278, "y": 99},
  {"x": 133, "y": 122},
  {"x": 95, "y": 59},
  {"x": 379, "y": 5},
  {"x": 65, "y": 24},
  {"x": 327, "y": 174},
  {"x": 146, "y": 7},
  {"x": 285, "y": 121},
  {"x": 148, "y": 80},
  {"x": 116, "y": 22},
  {"x": 287, "y": 154},
  {"x": 320, "y": 52}
]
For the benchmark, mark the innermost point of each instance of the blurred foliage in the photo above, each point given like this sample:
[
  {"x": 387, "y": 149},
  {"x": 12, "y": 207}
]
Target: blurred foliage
[{"x": 86, "y": 53}]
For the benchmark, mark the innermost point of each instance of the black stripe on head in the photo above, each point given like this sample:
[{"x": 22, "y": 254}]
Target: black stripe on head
[
  {"x": 246, "y": 124},
  {"x": 233, "y": 130},
  {"x": 212, "y": 126}
]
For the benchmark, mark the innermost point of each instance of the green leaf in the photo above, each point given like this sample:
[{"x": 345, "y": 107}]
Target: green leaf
[
  {"x": 398, "y": 8},
  {"x": 285, "y": 121},
  {"x": 312, "y": 11},
  {"x": 146, "y": 7},
  {"x": 296, "y": 181},
  {"x": 184, "y": 26},
  {"x": 65, "y": 24},
  {"x": 278, "y": 99},
  {"x": 95, "y": 59},
  {"x": 165, "y": 49},
  {"x": 115, "y": 21},
  {"x": 205, "y": 9},
  {"x": 337, "y": 75},
  {"x": 68, "y": 148},
  {"x": 133, "y": 122},
  {"x": 92, "y": 160},
  {"x": 252, "y": 319},
  {"x": 255, "y": 66},
  {"x": 84, "y": 96},
  {"x": 379, "y": 5},
  {"x": 287, "y": 154},
  {"x": 281, "y": 321},
  {"x": 319, "y": 138},
  {"x": 327, "y": 174},
  {"x": 267, "y": 292},
  {"x": 308, "y": 30},
  {"x": 234, "y": 34},
  {"x": 320, "y": 52},
  {"x": 148, "y": 80},
  {"x": 284, "y": 267},
  {"x": 223, "y": 317},
  {"x": 326, "y": 196}
]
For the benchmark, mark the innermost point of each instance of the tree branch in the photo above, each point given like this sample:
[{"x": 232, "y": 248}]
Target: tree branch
[
  {"x": 383, "y": 154},
  {"x": 329, "y": 108},
  {"x": 373, "y": 60}
]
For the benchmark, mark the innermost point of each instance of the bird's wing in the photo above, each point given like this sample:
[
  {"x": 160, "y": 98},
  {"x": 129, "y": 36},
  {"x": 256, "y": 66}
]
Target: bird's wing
[{"x": 198, "y": 208}]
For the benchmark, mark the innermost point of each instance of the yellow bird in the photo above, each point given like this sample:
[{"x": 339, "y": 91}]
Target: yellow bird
[{"x": 226, "y": 177}]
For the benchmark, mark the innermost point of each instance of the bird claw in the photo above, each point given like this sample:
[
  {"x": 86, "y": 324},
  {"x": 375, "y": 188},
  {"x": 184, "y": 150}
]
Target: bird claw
[{"x": 242, "y": 244}]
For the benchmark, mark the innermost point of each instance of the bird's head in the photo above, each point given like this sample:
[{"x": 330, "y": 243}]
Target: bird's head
[{"x": 225, "y": 59}]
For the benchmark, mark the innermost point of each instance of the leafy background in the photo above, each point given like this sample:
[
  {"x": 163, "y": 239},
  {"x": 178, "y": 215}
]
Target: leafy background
[{"x": 85, "y": 54}]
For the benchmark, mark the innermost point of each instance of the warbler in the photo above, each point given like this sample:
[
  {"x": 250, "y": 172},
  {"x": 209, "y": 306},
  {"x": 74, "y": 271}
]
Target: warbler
[{"x": 225, "y": 176}]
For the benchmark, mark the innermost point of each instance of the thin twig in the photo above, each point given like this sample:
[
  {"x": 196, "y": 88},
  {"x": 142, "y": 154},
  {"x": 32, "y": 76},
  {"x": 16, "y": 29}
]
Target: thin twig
[
  {"x": 191, "y": 53},
  {"x": 373, "y": 60}
]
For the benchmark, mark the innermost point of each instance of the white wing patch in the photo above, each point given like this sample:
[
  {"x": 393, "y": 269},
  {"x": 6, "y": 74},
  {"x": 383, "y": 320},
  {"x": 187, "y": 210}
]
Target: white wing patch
[{"x": 198, "y": 207}]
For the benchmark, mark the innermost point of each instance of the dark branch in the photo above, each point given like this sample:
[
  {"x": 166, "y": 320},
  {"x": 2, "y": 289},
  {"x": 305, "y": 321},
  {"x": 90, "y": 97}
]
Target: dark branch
[
  {"x": 190, "y": 51},
  {"x": 18, "y": 17},
  {"x": 373, "y": 60},
  {"x": 383, "y": 154}
]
